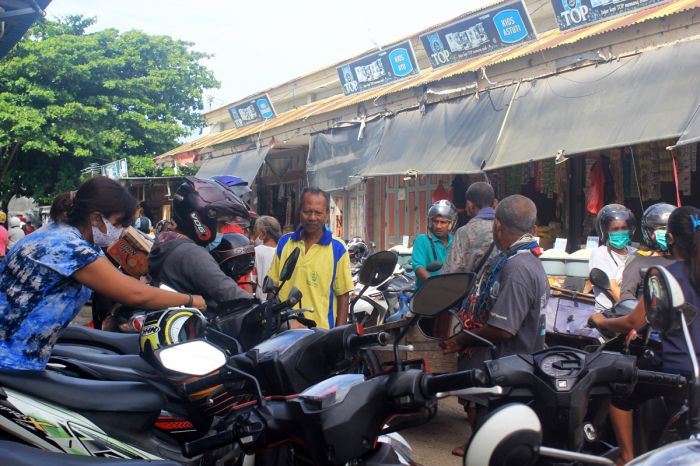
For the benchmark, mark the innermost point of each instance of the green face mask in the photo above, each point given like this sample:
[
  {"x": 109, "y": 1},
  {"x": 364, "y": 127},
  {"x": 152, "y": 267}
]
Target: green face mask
[
  {"x": 619, "y": 239},
  {"x": 660, "y": 238}
]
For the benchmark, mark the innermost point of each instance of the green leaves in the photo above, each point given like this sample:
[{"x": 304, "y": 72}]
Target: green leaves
[{"x": 70, "y": 99}]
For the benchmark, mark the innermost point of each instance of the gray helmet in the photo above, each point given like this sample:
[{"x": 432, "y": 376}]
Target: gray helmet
[
  {"x": 443, "y": 208},
  {"x": 610, "y": 213},
  {"x": 655, "y": 217}
]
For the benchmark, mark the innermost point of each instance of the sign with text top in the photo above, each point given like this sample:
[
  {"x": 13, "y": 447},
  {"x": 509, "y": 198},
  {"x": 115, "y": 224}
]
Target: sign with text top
[
  {"x": 378, "y": 69},
  {"x": 479, "y": 34},
  {"x": 572, "y": 14},
  {"x": 252, "y": 111}
]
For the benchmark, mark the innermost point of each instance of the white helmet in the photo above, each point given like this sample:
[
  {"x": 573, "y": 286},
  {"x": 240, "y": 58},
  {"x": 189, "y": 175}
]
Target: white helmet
[{"x": 443, "y": 208}]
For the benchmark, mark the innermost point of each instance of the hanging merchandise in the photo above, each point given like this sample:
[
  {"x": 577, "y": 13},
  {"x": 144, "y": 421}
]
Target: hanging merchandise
[
  {"x": 628, "y": 178},
  {"x": 684, "y": 163},
  {"x": 665, "y": 167},
  {"x": 538, "y": 177},
  {"x": 616, "y": 167},
  {"x": 440, "y": 193},
  {"x": 549, "y": 178},
  {"x": 594, "y": 200}
]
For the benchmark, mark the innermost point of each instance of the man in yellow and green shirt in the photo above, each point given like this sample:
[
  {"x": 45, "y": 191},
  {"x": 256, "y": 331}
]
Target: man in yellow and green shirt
[{"x": 322, "y": 273}]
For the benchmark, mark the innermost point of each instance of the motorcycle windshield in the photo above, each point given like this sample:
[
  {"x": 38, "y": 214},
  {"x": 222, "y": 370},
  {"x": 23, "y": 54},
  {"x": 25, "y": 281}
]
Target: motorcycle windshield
[
  {"x": 283, "y": 341},
  {"x": 332, "y": 391}
]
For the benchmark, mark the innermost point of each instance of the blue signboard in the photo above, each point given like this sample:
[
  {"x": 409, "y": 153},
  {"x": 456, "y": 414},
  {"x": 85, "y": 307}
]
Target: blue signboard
[
  {"x": 252, "y": 111},
  {"x": 378, "y": 69},
  {"x": 573, "y": 14},
  {"x": 479, "y": 34}
]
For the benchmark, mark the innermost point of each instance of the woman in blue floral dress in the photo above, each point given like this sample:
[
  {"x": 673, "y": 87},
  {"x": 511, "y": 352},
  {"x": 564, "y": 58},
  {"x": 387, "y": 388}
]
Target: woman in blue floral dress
[{"x": 48, "y": 276}]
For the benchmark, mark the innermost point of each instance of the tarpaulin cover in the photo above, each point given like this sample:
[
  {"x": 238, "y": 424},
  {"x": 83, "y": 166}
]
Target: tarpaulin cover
[
  {"x": 691, "y": 135},
  {"x": 338, "y": 156},
  {"x": 637, "y": 99},
  {"x": 451, "y": 137},
  {"x": 242, "y": 164}
]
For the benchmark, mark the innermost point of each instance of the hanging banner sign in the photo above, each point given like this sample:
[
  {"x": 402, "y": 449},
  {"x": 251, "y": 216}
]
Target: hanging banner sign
[
  {"x": 252, "y": 111},
  {"x": 116, "y": 170},
  {"x": 572, "y": 14},
  {"x": 378, "y": 69},
  {"x": 479, "y": 34}
]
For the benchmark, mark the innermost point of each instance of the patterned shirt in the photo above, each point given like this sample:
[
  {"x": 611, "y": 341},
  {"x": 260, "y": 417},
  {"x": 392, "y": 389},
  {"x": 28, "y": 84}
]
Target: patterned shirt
[
  {"x": 471, "y": 242},
  {"x": 38, "y": 295}
]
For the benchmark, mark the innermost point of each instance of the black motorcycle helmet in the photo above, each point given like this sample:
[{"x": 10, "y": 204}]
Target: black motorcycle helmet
[
  {"x": 654, "y": 218},
  {"x": 608, "y": 214},
  {"x": 235, "y": 255},
  {"x": 357, "y": 249},
  {"x": 199, "y": 206}
]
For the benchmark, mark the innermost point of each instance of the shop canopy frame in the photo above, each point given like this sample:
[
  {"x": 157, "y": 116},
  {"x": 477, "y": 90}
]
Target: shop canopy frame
[{"x": 691, "y": 134}]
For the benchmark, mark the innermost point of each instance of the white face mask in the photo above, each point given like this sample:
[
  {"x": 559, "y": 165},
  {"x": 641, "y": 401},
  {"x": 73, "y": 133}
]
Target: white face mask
[
  {"x": 102, "y": 240},
  {"x": 258, "y": 241}
]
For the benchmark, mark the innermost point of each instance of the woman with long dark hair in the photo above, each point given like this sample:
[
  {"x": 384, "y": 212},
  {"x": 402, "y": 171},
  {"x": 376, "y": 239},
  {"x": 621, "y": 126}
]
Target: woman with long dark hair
[
  {"x": 683, "y": 238},
  {"x": 47, "y": 277}
]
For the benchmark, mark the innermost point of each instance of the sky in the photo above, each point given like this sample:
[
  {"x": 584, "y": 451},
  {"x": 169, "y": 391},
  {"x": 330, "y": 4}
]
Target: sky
[{"x": 260, "y": 44}]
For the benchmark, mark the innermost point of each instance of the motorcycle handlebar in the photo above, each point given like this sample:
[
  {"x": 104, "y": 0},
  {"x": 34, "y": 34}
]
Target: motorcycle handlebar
[
  {"x": 454, "y": 381},
  {"x": 196, "y": 447},
  {"x": 202, "y": 384},
  {"x": 661, "y": 378},
  {"x": 358, "y": 342}
]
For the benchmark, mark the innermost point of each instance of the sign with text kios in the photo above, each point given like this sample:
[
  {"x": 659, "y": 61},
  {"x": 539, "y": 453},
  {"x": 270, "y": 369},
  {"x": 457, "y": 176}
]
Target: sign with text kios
[
  {"x": 572, "y": 14},
  {"x": 252, "y": 111},
  {"x": 479, "y": 34},
  {"x": 378, "y": 69}
]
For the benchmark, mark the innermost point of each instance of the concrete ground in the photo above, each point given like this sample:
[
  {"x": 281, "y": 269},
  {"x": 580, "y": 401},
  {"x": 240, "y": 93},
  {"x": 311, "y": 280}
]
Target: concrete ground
[{"x": 433, "y": 442}]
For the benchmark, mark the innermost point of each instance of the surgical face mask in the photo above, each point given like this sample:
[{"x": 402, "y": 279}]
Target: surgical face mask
[
  {"x": 619, "y": 239},
  {"x": 102, "y": 240},
  {"x": 217, "y": 241},
  {"x": 258, "y": 241},
  {"x": 660, "y": 238}
]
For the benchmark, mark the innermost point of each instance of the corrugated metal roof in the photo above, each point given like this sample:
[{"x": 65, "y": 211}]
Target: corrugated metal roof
[{"x": 546, "y": 41}]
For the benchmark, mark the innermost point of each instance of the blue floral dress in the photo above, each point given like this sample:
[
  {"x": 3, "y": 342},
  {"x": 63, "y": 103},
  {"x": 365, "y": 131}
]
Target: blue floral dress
[{"x": 38, "y": 295}]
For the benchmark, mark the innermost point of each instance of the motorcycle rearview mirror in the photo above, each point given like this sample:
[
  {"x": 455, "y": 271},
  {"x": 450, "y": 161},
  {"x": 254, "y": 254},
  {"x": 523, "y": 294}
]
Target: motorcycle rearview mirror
[
  {"x": 269, "y": 285},
  {"x": 377, "y": 268},
  {"x": 440, "y": 292},
  {"x": 294, "y": 296},
  {"x": 664, "y": 300},
  {"x": 434, "y": 266},
  {"x": 599, "y": 278},
  {"x": 289, "y": 265},
  {"x": 196, "y": 357}
]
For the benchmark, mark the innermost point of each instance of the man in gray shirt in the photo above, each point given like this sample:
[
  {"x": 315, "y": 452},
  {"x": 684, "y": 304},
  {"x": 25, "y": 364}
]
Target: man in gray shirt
[{"x": 512, "y": 291}]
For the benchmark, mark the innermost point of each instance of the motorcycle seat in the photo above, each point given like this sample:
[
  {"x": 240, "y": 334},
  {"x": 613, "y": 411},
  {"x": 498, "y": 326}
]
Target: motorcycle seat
[
  {"x": 123, "y": 343},
  {"x": 84, "y": 395},
  {"x": 18, "y": 454},
  {"x": 127, "y": 361}
]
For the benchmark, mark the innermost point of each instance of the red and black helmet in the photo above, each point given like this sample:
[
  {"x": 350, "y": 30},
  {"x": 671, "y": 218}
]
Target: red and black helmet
[
  {"x": 235, "y": 255},
  {"x": 199, "y": 206}
]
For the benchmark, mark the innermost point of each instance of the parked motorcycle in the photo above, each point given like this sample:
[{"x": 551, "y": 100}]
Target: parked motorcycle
[
  {"x": 346, "y": 419},
  {"x": 559, "y": 381}
]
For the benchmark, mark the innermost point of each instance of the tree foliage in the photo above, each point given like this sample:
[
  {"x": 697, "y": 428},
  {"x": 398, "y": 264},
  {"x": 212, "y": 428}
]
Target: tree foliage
[{"x": 69, "y": 98}]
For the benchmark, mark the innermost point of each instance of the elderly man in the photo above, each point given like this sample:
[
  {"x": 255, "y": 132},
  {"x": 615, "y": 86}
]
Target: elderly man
[
  {"x": 511, "y": 294},
  {"x": 473, "y": 240},
  {"x": 512, "y": 291}
]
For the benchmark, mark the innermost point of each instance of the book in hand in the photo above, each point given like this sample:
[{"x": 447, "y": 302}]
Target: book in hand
[{"x": 131, "y": 252}]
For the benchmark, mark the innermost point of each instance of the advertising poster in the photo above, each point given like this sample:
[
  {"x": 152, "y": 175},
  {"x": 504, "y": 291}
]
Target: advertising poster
[
  {"x": 252, "y": 111},
  {"x": 479, "y": 34},
  {"x": 572, "y": 14},
  {"x": 378, "y": 69}
]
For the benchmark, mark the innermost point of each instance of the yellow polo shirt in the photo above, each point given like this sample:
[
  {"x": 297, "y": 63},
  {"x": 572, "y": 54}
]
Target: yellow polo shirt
[{"x": 321, "y": 274}]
